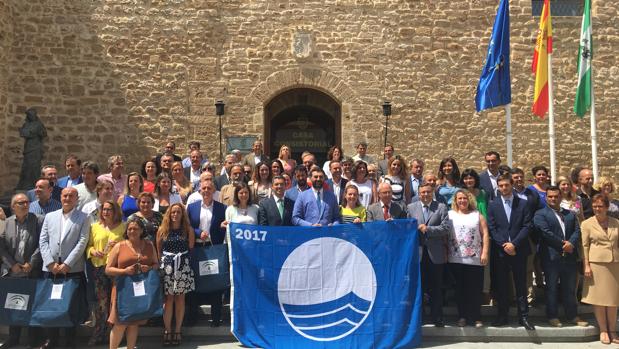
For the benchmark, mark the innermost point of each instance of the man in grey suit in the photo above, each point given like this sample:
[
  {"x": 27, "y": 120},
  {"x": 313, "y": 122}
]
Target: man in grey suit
[
  {"x": 383, "y": 165},
  {"x": 63, "y": 240},
  {"x": 433, "y": 227},
  {"x": 384, "y": 209},
  {"x": 256, "y": 156},
  {"x": 20, "y": 256}
]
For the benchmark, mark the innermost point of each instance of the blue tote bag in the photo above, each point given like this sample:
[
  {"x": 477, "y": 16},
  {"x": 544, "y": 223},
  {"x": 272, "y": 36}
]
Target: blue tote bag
[
  {"x": 211, "y": 268},
  {"x": 59, "y": 302},
  {"x": 16, "y": 298},
  {"x": 139, "y": 297}
]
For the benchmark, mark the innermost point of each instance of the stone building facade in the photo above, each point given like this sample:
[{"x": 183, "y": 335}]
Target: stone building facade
[{"x": 122, "y": 76}]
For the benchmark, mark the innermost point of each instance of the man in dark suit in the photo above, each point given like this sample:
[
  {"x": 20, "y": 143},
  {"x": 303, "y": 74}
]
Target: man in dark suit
[
  {"x": 205, "y": 218},
  {"x": 73, "y": 165},
  {"x": 383, "y": 167},
  {"x": 276, "y": 210},
  {"x": 50, "y": 172},
  {"x": 509, "y": 222},
  {"x": 560, "y": 232},
  {"x": 488, "y": 178},
  {"x": 224, "y": 179},
  {"x": 384, "y": 209},
  {"x": 434, "y": 227},
  {"x": 336, "y": 183},
  {"x": 316, "y": 207}
]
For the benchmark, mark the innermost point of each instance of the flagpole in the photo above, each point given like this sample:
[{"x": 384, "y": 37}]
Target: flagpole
[
  {"x": 594, "y": 139},
  {"x": 551, "y": 123},
  {"x": 508, "y": 130}
]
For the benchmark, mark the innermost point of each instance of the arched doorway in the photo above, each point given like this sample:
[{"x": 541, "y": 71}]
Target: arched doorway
[{"x": 305, "y": 119}]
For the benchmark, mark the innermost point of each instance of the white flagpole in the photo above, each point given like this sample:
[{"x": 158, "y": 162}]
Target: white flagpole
[
  {"x": 551, "y": 124},
  {"x": 508, "y": 129},
  {"x": 594, "y": 139}
]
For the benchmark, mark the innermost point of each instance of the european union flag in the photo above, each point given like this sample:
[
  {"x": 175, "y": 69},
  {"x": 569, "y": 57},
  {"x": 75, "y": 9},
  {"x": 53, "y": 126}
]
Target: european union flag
[
  {"x": 494, "y": 86},
  {"x": 344, "y": 286}
]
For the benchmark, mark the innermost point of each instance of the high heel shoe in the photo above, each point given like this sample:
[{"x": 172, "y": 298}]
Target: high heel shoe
[
  {"x": 177, "y": 339},
  {"x": 167, "y": 339}
]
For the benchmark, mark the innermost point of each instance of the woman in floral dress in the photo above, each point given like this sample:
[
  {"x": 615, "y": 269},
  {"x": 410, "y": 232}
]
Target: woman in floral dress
[
  {"x": 174, "y": 240},
  {"x": 468, "y": 249}
]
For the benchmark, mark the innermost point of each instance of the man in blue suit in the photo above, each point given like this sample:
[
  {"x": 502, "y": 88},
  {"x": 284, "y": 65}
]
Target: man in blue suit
[
  {"x": 560, "y": 232},
  {"x": 509, "y": 222},
  {"x": 64, "y": 236},
  {"x": 316, "y": 207},
  {"x": 73, "y": 165},
  {"x": 205, "y": 217},
  {"x": 336, "y": 183}
]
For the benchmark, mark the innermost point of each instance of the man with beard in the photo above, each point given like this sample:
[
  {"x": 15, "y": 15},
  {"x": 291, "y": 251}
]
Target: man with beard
[
  {"x": 316, "y": 207},
  {"x": 227, "y": 191}
]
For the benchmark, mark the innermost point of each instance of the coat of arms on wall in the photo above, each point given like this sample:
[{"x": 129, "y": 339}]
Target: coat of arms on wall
[{"x": 302, "y": 43}]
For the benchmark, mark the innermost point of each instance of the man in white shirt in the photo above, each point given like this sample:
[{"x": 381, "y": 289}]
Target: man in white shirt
[{"x": 86, "y": 190}]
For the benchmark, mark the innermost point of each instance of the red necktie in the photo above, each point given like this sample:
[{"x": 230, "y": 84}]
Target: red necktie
[{"x": 385, "y": 212}]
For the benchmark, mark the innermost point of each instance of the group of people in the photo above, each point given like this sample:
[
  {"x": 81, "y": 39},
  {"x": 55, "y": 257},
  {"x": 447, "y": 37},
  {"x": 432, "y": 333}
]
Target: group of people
[{"x": 478, "y": 227}]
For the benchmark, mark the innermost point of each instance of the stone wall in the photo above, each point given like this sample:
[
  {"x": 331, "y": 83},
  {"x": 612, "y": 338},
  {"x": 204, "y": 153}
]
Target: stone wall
[
  {"x": 121, "y": 76},
  {"x": 6, "y": 30}
]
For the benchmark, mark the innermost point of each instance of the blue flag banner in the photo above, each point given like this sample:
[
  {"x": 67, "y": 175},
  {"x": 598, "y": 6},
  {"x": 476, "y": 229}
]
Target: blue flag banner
[
  {"x": 494, "y": 88},
  {"x": 344, "y": 286}
]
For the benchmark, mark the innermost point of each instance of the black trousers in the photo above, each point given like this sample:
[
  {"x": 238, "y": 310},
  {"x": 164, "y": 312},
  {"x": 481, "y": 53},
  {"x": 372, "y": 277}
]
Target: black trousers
[
  {"x": 502, "y": 265},
  {"x": 469, "y": 286},
  {"x": 432, "y": 283},
  {"x": 195, "y": 299}
]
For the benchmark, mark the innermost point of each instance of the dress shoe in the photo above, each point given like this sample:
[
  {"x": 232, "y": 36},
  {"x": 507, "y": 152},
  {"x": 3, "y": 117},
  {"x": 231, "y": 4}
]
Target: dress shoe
[
  {"x": 47, "y": 344},
  {"x": 579, "y": 322},
  {"x": 526, "y": 324},
  {"x": 500, "y": 321},
  {"x": 555, "y": 323},
  {"x": 9, "y": 343},
  {"x": 439, "y": 323}
]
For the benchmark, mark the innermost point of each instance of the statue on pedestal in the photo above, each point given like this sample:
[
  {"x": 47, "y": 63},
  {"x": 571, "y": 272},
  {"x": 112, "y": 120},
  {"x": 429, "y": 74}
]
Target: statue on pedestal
[{"x": 33, "y": 131}]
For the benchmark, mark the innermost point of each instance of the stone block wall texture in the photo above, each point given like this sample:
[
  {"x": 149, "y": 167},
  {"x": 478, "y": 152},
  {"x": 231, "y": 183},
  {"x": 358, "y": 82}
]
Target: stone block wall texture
[{"x": 122, "y": 76}]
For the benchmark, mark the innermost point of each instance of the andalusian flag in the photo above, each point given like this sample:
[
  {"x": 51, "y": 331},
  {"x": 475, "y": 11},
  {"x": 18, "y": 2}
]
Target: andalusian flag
[
  {"x": 585, "y": 55},
  {"x": 540, "y": 62}
]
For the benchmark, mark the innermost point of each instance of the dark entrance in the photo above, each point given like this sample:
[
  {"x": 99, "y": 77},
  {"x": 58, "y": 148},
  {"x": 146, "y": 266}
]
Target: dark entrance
[{"x": 305, "y": 120}]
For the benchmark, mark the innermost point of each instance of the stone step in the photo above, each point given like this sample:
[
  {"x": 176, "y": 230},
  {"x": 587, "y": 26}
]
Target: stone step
[{"x": 538, "y": 310}]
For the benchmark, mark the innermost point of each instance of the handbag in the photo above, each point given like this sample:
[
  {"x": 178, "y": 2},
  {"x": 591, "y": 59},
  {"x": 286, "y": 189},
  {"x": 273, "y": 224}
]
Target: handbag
[
  {"x": 211, "y": 268},
  {"x": 139, "y": 296},
  {"x": 16, "y": 298},
  {"x": 59, "y": 302}
]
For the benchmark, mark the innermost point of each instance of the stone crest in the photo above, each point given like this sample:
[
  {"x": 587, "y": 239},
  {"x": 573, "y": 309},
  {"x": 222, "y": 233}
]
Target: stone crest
[{"x": 302, "y": 43}]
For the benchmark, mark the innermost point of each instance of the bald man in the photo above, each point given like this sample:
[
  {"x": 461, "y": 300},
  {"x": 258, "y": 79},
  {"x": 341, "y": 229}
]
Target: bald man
[{"x": 385, "y": 209}]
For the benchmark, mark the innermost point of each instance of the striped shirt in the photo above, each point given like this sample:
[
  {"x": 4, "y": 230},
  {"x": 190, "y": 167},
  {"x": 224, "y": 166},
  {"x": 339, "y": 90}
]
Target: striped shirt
[{"x": 52, "y": 205}]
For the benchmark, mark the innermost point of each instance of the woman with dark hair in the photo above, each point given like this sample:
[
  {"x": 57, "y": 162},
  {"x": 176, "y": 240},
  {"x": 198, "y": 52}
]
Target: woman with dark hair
[
  {"x": 285, "y": 157},
  {"x": 175, "y": 238},
  {"x": 260, "y": 184},
  {"x": 351, "y": 210},
  {"x": 128, "y": 257},
  {"x": 151, "y": 219},
  {"x": 277, "y": 169},
  {"x": 600, "y": 242},
  {"x": 133, "y": 188},
  {"x": 104, "y": 234},
  {"x": 242, "y": 210},
  {"x": 150, "y": 171},
  {"x": 164, "y": 197},
  {"x": 448, "y": 177},
  {"x": 335, "y": 154},
  {"x": 469, "y": 180},
  {"x": 399, "y": 180},
  {"x": 367, "y": 187},
  {"x": 540, "y": 179}
]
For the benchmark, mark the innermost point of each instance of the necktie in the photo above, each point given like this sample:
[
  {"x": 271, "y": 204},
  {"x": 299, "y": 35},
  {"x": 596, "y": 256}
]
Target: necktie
[
  {"x": 280, "y": 207},
  {"x": 318, "y": 201},
  {"x": 425, "y": 213},
  {"x": 385, "y": 212},
  {"x": 508, "y": 209}
]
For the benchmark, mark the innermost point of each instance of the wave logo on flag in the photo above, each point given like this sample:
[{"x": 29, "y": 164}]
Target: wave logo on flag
[{"x": 330, "y": 297}]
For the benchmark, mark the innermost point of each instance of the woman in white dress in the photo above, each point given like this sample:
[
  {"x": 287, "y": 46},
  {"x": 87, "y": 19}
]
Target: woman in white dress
[{"x": 367, "y": 187}]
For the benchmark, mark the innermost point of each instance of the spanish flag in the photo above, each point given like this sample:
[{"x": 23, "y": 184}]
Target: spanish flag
[{"x": 540, "y": 62}]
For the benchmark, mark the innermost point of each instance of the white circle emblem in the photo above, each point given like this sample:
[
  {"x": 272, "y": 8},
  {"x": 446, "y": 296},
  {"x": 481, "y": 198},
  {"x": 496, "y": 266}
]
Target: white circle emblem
[{"x": 326, "y": 289}]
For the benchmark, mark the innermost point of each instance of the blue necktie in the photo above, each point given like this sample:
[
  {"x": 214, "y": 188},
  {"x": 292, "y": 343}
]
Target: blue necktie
[
  {"x": 508, "y": 209},
  {"x": 318, "y": 201}
]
